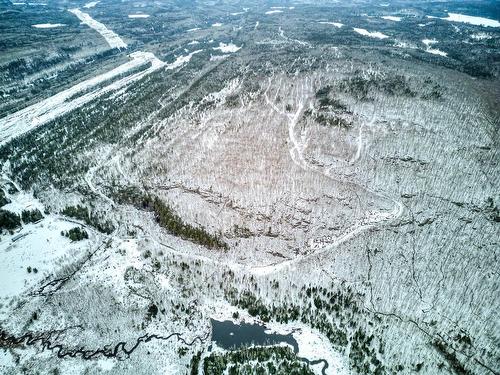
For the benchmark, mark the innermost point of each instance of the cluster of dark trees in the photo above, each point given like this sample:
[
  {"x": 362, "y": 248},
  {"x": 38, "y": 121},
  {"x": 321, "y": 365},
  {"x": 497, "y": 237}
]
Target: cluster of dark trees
[
  {"x": 76, "y": 234},
  {"x": 82, "y": 213},
  {"x": 9, "y": 220},
  {"x": 31, "y": 216},
  {"x": 360, "y": 87},
  {"x": 326, "y": 101},
  {"x": 173, "y": 223},
  {"x": 331, "y": 111},
  {"x": 492, "y": 211},
  {"x": 3, "y": 199},
  {"x": 168, "y": 219}
]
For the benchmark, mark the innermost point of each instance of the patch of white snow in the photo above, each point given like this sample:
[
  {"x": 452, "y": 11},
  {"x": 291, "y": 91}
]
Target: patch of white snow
[
  {"x": 227, "y": 48},
  {"x": 48, "y": 25},
  {"x": 91, "y": 4},
  {"x": 472, "y": 20},
  {"x": 374, "y": 34},
  {"x": 392, "y": 18},
  {"x": 138, "y": 16},
  {"x": 336, "y": 24}
]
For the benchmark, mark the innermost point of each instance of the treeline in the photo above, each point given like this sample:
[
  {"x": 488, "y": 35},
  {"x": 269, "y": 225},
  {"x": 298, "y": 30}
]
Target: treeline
[
  {"x": 3, "y": 199},
  {"x": 168, "y": 219},
  {"x": 257, "y": 360},
  {"x": 22, "y": 67},
  {"x": 107, "y": 82},
  {"x": 173, "y": 223},
  {"x": 10, "y": 220}
]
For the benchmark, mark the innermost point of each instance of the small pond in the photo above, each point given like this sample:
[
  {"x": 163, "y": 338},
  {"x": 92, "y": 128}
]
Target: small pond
[{"x": 231, "y": 336}]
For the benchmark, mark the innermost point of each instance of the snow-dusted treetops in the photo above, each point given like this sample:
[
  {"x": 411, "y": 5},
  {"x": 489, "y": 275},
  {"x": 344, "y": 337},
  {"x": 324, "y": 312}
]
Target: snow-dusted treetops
[{"x": 249, "y": 187}]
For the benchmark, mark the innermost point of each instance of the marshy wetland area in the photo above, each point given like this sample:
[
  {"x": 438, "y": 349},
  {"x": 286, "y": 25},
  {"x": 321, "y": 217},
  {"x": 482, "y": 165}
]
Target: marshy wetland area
[{"x": 249, "y": 187}]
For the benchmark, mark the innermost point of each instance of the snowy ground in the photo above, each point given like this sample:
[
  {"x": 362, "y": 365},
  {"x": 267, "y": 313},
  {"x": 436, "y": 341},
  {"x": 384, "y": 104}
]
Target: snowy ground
[
  {"x": 273, "y": 12},
  {"x": 91, "y": 4},
  {"x": 374, "y": 207},
  {"x": 434, "y": 51}
]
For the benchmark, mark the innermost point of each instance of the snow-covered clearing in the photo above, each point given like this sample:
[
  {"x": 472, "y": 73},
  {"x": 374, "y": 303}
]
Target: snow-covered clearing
[
  {"x": 39, "y": 248},
  {"x": 274, "y": 11},
  {"x": 138, "y": 16},
  {"x": 472, "y": 20},
  {"x": 481, "y": 36},
  {"x": 91, "y": 4},
  {"x": 46, "y": 110},
  {"x": 336, "y": 24},
  {"x": 181, "y": 60},
  {"x": 112, "y": 39},
  {"x": 436, "y": 51},
  {"x": 218, "y": 57},
  {"x": 428, "y": 43},
  {"x": 404, "y": 44},
  {"x": 35, "y": 245},
  {"x": 374, "y": 34},
  {"x": 227, "y": 48},
  {"x": 48, "y": 25},
  {"x": 392, "y": 18}
]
